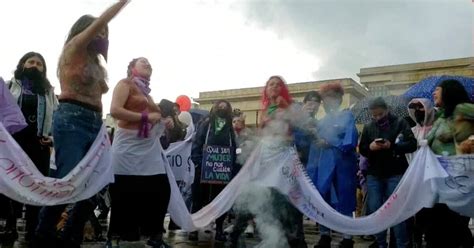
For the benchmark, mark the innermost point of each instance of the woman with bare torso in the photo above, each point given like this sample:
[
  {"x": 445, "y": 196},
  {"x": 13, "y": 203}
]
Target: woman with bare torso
[
  {"x": 141, "y": 191},
  {"x": 78, "y": 119}
]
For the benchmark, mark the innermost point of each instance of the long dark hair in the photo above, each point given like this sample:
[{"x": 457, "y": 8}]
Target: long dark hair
[
  {"x": 452, "y": 94},
  {"x": 41, "y": 86},
  {"x": 80, "y": 25}
]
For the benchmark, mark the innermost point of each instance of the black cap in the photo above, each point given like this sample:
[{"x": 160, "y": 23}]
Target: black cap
[{"x": 167, "y": 108}]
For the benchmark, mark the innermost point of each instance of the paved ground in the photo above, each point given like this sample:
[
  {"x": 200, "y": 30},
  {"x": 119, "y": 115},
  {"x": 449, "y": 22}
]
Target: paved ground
[{"x": 206, "y": 239}]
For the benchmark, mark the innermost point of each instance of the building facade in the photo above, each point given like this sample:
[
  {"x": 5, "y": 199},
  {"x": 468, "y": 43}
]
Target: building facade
[
  {"x": 248, "y": 100},
  {"x": 396, "y": 79},
  {"x": 374, "y": 81}
]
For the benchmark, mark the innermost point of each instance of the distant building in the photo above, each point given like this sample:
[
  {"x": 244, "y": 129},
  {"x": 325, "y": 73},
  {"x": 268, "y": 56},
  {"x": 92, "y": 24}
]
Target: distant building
[
  {"x": 248, "y": 100},
  {"x": 396, "y": 79},
  {"x": 374, "y": 81}
]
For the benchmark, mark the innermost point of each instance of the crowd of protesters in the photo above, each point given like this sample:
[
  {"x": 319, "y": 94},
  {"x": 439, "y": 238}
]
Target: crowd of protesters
[{"x": 330, "y": 148}]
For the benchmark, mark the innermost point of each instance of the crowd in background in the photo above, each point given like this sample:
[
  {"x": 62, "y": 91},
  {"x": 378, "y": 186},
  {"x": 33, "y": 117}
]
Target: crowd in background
[{"x": 342, "y": 161}]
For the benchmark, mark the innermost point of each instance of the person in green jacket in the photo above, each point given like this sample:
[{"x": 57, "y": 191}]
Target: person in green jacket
[
  {"x": 444, "y": 227},
  {"x": 464, "y": 128}
]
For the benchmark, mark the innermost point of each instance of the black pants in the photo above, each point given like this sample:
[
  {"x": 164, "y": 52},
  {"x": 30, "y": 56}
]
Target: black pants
[
  {"x": 39, "y": 155},
  {"x": 138, "y": 206},
  {"x": 445, "y": 228},
  {"x": 279, "y": 211},
  {"x": 203, "y": 194}
]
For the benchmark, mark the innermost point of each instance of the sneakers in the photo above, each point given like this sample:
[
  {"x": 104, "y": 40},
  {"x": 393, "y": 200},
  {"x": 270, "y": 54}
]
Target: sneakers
[
  {"x": 157, "y": 244},
  {"x": 324, "y": 242},
  {"x": 229, "y": 229},
  {"x": 249, "y": 231}
]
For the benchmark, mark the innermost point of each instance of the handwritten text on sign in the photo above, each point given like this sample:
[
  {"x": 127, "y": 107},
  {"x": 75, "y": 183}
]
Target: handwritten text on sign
[{"x": 216, "y": 165}]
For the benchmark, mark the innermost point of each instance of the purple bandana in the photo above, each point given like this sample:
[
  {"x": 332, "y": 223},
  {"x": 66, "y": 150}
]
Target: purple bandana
[
  {"x": 27, "y": 86},
  {"x": 143, "y": 85}
]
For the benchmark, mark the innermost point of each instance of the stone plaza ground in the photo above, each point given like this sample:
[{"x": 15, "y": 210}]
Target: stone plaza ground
[{"x": 179, "y": 239}]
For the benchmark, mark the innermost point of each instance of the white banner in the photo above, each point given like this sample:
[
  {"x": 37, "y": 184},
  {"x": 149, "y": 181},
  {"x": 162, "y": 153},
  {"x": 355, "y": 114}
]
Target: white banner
[
  {"x": 21, "y": 181},
  {"x": 457, "y": 190},
  {"x": 179, "y": 158},
  {"x": 270, "y": 165}
]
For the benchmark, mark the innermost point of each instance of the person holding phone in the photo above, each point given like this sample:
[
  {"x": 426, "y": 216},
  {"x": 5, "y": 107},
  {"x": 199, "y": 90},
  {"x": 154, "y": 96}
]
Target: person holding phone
[{"x": 384, "y": 142}]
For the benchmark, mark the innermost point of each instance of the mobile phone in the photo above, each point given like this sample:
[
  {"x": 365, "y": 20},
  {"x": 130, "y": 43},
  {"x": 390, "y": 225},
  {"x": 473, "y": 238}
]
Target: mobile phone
[{"x": 379, "y": 140}]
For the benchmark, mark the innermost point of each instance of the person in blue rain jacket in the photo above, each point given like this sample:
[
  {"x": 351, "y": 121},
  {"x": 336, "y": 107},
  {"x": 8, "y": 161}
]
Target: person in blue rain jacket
[{"x": 332, "y": 162}]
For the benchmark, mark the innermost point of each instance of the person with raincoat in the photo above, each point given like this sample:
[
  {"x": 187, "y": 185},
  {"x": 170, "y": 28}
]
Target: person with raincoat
[
  {"x": 422, "y": 112},
  {"x": 332, "y": 162}
]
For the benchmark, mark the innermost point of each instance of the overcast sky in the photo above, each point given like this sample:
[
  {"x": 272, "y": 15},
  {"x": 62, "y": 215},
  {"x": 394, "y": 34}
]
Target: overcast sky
[{"x": 211, "y": 45}]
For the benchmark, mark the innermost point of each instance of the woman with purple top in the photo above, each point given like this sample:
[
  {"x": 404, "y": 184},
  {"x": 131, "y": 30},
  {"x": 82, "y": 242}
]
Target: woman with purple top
[{"x": 141, "y": 191}]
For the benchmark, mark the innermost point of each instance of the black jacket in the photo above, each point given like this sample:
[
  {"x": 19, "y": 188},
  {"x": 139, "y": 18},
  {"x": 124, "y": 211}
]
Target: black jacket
[
  {"x": 391, "y": 162},
  {"x": 222, "y": 139}
]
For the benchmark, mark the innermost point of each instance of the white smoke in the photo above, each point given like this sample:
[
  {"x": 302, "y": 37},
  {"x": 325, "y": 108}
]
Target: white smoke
[
  {"x": 257, "y": 200},
  {"x": 262, "y": 202}
]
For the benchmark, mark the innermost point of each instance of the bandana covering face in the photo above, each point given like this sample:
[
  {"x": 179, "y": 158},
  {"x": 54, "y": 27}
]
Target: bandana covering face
[
  {"x": 100, "y": 45},
  {"x": 238, "y": 129}
]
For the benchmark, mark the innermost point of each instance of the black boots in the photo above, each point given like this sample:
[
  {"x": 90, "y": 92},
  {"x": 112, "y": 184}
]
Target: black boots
[{"x": 324, "y": 242}]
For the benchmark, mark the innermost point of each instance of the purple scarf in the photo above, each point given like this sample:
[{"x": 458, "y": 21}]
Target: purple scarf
[
  {"x": 27, "y": 86},
  {"x": 143, "y": 84},
  {"x": 145, "y": 127}
]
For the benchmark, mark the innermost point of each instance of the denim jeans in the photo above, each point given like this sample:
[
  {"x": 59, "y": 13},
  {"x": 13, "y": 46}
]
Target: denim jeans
[
  {"x": 74, "y": 130},
  {"x": 379, "y": 190}
]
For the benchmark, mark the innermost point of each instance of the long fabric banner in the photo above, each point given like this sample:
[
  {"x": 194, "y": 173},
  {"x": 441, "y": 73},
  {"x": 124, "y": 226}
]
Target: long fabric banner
[
  {"x": 428, "y": 180},
  {"x": 272, "y": 165},
  {"x": 179, "y": 158},
  {"x": 21, "y": 181}
]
